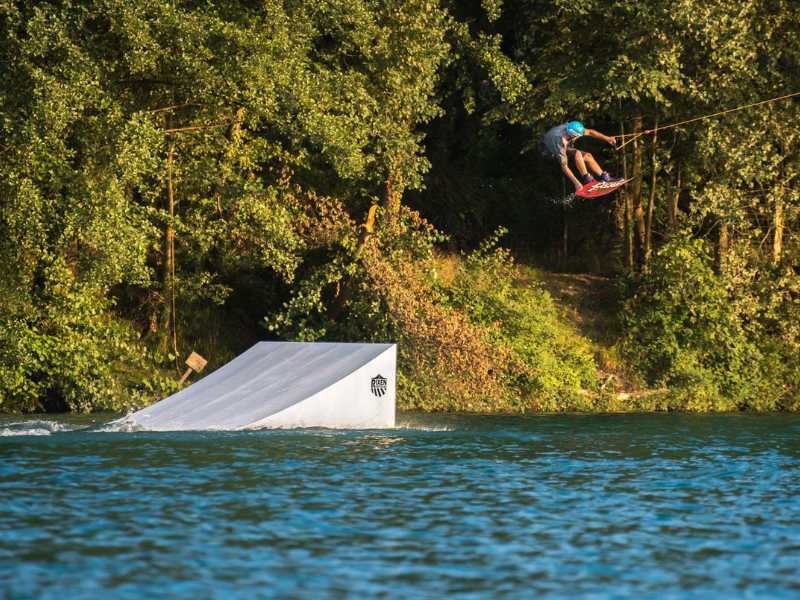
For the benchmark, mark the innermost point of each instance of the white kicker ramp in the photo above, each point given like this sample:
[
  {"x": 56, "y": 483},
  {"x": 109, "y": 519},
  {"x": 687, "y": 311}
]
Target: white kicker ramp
[{"x": 286, "y": 384}]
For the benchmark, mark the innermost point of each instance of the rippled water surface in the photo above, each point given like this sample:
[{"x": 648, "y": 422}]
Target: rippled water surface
[{"x": 474, "y": 507}]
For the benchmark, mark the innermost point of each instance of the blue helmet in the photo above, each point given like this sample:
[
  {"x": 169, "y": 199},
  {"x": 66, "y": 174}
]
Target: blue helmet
[{"x": 575, "y": 129}]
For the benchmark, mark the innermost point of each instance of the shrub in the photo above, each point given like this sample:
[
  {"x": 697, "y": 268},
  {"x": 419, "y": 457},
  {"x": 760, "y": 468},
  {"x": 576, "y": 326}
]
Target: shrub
[
  {"x": 553, "y": 366},
  {"x": 479, "y": 342},
  {"x": 70, "y": 353},
  {"x": 693, "y": 330}
]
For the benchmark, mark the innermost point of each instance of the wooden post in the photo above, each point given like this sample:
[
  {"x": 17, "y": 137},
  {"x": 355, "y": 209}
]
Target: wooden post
[{"x": 195, "y": 363}]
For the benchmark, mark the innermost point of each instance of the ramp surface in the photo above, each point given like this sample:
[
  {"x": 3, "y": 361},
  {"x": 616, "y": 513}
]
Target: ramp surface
[{"x": 286, "y": 384}]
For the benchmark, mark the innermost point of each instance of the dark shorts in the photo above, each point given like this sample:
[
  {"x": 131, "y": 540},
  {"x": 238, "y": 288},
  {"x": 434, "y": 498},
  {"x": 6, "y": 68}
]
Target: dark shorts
[{"x": 545, "y": 152}]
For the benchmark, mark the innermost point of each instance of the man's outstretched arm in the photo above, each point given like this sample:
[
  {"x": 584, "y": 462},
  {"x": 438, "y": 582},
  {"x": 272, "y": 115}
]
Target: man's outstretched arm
[{"x": 600, "y": 136}]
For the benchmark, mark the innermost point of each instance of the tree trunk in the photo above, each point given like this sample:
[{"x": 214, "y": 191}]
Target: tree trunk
[
  {"x": 651, "y": 201},
  {"x": 621, "y": 218},
  {"x": 723, "y": 244},
  {"x": 619, "y": 224},
  {"x": 169, "y": 264},
  {"x": 673, "y": 204},
  {"x": 628, "y": 212},
  {"x": 368, "y": 228},
  {"x": 393, "y": 194},
  {"x": 638, "y": 212},
  {"x": 630, "y": 246},
  {"x": 344, "y": 289},
  {"x": 564, "y": 226},
  {"x": 778, "y": 224}
]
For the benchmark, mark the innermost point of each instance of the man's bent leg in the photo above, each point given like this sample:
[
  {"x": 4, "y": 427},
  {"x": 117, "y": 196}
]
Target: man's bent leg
[
  {"x": 580, "y": 163},
  {"x": 589, "y": 159}
]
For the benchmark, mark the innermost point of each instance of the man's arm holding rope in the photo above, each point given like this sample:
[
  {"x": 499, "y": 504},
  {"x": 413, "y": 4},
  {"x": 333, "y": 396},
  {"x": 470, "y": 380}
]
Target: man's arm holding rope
[{"x": 600, "y": 136}]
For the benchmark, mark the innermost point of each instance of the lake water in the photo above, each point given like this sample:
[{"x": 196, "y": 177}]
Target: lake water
[{"x": 628, "y": 506}]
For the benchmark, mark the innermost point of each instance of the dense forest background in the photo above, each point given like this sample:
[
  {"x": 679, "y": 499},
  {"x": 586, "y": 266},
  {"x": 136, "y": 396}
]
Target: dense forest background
[{"x": 182, "y": 175}]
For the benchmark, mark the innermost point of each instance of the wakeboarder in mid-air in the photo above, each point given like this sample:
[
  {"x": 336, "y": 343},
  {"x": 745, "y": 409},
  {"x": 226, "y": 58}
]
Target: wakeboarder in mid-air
[{"x": 557, "y": 144}]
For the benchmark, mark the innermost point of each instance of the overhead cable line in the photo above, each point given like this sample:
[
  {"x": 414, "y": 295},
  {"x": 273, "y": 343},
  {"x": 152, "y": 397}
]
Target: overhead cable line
[{"x": 634, "y": 136}]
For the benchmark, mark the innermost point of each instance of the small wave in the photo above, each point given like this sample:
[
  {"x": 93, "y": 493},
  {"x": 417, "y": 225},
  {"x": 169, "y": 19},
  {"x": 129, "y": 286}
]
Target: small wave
[
  {"x": 123, "y": 425},
  {"x": 413, "y": 426},
  {"x": 38, "y": 427}
]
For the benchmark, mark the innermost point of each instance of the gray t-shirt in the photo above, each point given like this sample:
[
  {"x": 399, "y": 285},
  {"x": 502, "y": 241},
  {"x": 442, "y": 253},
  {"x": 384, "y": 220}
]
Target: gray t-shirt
[{"x": 556, "y": 143}]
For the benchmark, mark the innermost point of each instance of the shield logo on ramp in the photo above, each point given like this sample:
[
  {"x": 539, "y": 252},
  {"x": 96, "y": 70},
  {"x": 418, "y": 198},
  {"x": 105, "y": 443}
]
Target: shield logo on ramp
[{"x": 379, "y": 385}]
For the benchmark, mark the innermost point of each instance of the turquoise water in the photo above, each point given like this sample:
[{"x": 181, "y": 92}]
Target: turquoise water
[{"x": 636, "y": 506}]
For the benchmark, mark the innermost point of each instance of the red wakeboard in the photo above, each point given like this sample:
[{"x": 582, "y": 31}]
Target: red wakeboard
[{"x": 595, "y": 189}]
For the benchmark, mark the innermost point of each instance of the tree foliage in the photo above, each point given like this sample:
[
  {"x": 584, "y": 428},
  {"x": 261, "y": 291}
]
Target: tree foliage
[
  {"x": 185, "y": 175},
  {"x": 727, "y": 183}
]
